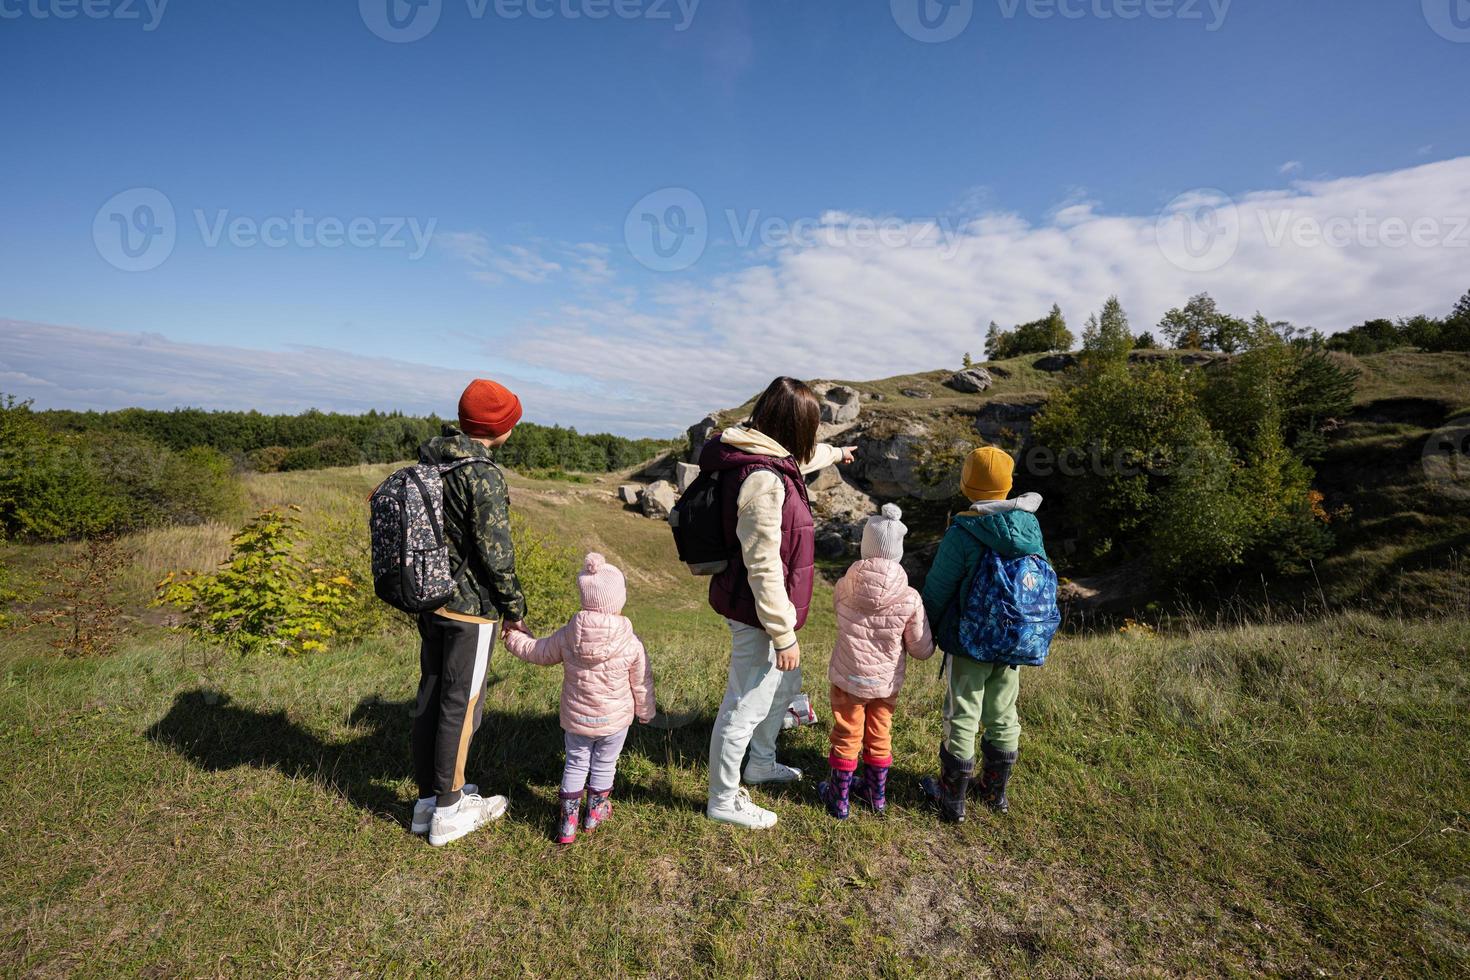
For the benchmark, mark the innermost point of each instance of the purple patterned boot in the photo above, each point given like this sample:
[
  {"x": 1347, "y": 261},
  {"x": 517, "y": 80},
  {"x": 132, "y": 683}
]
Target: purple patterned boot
[
  {"x": 871, "y": 788},
  {"x": 834, "y": 792}
]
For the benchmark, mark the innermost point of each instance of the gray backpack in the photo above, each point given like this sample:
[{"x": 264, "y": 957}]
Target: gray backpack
[{"x": 411, "y": 568}]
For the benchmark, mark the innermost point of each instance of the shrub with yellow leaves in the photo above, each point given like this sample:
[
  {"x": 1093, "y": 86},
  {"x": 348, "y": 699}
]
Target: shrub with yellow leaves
[
  {"x": 1133, "y": 629},
  {"x": 264, "y": 598}
]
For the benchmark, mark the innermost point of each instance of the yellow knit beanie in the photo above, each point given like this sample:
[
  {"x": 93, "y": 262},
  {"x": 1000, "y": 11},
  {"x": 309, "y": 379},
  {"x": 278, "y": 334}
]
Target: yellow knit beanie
[{"x": 987, "y": 474}]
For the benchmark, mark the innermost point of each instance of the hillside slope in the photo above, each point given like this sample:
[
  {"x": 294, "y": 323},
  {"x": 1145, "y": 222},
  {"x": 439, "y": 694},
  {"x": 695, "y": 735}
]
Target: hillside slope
[{"x": 1401, "y": 543}]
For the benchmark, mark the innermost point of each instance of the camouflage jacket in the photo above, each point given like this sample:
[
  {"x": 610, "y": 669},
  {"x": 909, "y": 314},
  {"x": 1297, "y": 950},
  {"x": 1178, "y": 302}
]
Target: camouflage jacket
[{"x": 477, "y": 523}]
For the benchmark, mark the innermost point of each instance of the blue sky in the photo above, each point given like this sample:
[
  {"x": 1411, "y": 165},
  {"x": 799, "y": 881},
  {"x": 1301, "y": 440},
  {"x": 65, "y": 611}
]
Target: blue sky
[{"x": 1042, "y": 148}]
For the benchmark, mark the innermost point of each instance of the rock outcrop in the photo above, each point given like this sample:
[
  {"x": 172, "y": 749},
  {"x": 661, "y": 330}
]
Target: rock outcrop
[
  {"x": 840, "y": 404},
  {"x": 699, "y": 434},
  {"x": 658, "y": 500},
  {"x": 1052, "y": 363},
  {"x": 1002, "y": 423},
  {"x": 825, "y": 479},
  {"x": 886, "y": 461},
  {"x": 629, "y": 493},
  {"x": 971, "y": 380}
]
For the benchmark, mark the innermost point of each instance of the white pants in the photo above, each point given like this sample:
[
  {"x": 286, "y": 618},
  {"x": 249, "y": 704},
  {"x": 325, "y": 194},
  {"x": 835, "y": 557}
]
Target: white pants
[{"x": 756, "y": 697}]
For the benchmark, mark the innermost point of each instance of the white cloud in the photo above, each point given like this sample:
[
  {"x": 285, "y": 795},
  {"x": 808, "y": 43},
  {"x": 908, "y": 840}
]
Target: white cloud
[
  {"x": 832, "y": 307},
  {"x": 70, "y": 367},
  {"x": 833, "y": 304},
  {"x": 586, "y": 263},
  {"x": 1290, "y": 167}
]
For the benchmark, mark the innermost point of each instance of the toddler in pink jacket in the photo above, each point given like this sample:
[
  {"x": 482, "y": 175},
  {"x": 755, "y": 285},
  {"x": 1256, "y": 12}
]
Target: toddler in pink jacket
[
  {"x": 880, "y": 619},
  {"x": 607, "y": 683}
]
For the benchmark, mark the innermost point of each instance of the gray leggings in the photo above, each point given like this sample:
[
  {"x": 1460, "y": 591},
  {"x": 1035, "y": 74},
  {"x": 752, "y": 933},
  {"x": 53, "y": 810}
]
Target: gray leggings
[{"x": 592, "y": 761}]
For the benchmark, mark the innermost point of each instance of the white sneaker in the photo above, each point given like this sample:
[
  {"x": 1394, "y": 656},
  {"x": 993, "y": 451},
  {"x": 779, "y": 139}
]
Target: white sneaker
[
  {"x": 468, "y": 815},
  {"x": 775, "y": 772},
  {"x": 423, "y": 810},
  {"x": 742, "y": 813}
]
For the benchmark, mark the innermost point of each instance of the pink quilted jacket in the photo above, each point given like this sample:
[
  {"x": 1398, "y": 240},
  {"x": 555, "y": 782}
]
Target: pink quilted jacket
[
  {"x": 879, "y": 618},
  {"x": 607, "y": 680}
]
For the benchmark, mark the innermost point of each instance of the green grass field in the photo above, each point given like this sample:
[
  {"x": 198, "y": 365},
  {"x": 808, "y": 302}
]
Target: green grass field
[{"x": 1290, "y": 798}]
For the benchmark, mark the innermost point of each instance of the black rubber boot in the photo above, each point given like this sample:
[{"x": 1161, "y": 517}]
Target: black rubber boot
[
  {"x": 949, "y": 790},
  {"x": 995, "y": 774}
]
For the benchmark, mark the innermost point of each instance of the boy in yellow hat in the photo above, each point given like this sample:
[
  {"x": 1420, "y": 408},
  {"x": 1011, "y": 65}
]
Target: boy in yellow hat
[{"x": 981, "y": 695}]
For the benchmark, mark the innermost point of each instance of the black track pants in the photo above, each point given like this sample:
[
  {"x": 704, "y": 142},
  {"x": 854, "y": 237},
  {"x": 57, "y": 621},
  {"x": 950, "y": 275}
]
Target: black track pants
[{"x": 453, "y": 660}]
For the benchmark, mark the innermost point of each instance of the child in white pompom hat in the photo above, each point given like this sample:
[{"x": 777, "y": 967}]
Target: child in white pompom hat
[{"x": 880, "y": 619}]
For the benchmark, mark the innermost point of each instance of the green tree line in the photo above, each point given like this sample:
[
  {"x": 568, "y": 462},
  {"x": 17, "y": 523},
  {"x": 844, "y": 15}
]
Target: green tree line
[{"x": 315, "y": 439}]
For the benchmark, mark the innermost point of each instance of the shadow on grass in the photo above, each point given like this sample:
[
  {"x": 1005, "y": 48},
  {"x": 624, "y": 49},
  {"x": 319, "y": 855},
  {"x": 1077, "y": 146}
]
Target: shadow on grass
[{"x": 515, "y": 753}]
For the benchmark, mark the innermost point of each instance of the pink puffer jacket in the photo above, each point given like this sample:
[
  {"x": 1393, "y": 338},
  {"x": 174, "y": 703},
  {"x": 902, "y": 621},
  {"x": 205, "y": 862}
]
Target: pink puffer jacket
[
  {"x": 879, "y": 618},
  {"x": 608, "y": 679}
]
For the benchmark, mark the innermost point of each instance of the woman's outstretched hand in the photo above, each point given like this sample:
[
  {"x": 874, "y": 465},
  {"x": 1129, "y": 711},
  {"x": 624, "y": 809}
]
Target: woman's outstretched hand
[
  {"x": 790, "y": 658},
  {"x": 849, "y": 453}
]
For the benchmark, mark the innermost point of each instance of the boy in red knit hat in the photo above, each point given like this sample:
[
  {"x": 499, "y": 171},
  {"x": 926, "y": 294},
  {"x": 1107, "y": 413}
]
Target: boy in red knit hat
[{"x": 458, "y": 637}]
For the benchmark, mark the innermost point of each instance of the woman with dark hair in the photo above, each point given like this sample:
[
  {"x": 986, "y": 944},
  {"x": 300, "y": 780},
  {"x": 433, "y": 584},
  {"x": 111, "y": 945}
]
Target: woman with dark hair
[{"x": 765, "y": 592}]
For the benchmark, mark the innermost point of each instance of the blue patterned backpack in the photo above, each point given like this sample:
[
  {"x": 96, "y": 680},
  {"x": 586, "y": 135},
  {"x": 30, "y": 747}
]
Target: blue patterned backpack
[{"x": 1011, "y": 613}]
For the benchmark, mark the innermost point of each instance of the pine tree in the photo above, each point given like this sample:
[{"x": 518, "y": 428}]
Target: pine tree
[
  {"x": 994, "y": 342},
  {"x": 1107, "y": 337}
]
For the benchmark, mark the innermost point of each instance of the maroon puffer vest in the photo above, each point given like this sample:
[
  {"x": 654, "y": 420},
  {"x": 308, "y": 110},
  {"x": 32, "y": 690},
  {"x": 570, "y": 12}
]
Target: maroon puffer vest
[{"x": 729, "y": 592}]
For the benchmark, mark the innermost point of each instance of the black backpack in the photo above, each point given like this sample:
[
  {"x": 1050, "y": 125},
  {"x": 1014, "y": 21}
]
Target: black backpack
[{"x": 698, "y": 522}]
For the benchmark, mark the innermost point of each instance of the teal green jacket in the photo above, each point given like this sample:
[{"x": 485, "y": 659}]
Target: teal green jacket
[{"x": 1008, "y": 527}]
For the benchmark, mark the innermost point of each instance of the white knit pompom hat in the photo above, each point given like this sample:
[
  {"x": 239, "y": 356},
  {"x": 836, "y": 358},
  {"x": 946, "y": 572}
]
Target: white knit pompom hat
[{"x": 883, "y": 534}]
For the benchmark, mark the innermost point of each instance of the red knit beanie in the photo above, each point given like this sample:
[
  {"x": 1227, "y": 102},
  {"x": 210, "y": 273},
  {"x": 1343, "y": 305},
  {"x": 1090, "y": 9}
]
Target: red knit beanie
[{"x": 488, "y": 410}]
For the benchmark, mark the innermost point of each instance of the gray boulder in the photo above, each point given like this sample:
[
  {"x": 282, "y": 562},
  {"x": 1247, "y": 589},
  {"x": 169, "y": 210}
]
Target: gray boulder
[
  {"x": 971, "y": 380},
  {"x": 916, "y": 393},
  {"x": 831, "y": 544},
  {"x": 659, "y": 499},
  {"x": 684, "y": 474},
  {"x": 886, "y": 463},
  {"x": 699, "y": 434},
  {"x": 824, "y": 479},
  {"x": 841, "y": 404},
  {"x": 628, "y": 493},
  {"x": 1052, "y": 363},
  {"x": 843, "y": 504}
]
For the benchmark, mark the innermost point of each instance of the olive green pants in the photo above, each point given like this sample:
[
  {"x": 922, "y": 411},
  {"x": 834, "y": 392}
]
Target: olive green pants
[{"x": 981, "y": 696}]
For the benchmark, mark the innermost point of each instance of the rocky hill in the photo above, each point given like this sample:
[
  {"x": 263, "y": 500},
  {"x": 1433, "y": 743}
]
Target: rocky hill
[{"x": 1405, "y": 538}]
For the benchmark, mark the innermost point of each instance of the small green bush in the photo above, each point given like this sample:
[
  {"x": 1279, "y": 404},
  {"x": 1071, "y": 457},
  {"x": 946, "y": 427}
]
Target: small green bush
[
  {"x": 267, "y": 459},
  {"x": 548, "y": 574},
  {"x": 264, "y": 598},
  {"x": 332, "y": 451}
]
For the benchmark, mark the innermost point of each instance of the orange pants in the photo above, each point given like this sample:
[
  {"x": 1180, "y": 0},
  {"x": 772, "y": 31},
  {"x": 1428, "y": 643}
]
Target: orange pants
[{"x": 860, "y": 725}]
